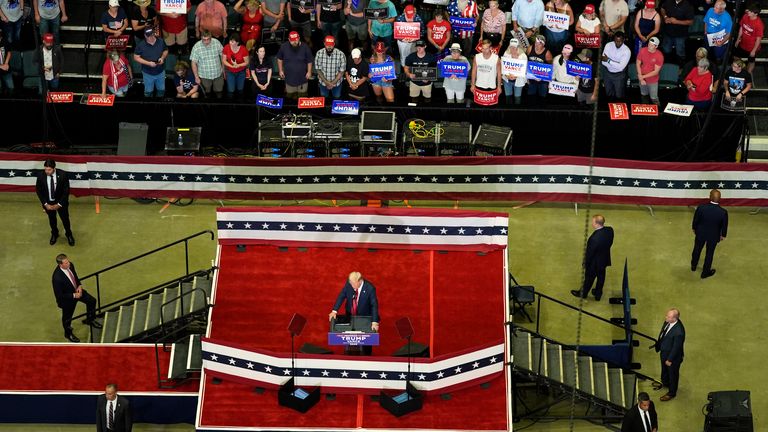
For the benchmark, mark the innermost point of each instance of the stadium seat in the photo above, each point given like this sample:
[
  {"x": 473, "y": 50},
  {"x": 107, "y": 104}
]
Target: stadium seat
[
  {"x": 632, "y": 75},
  {"x": 522, "y": 296},
  {"x": 669, "y": 76},
  {"x": 31, "y": 71},
  {"x": 696, "y": 29}
]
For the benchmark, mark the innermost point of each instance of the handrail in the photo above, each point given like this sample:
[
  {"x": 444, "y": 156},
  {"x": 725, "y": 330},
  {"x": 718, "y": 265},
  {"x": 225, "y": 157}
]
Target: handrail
[
  {"x": 184, "y": 240},
  {"x": 166, "y": 337},
  {"x": 180, "y": 297}
]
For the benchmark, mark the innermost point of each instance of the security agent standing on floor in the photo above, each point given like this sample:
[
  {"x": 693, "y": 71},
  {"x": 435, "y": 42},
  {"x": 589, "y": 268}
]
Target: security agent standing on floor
[
  {"x": 710, "y": 225},
  {"x": 52, "y": 189},
  {"x": 113, "y": 412},
  {"x": 597, "y": 258},
  {"x": 68, "y": 291},
  {"x": 670, "y": 349},
  {"x": 642, "y": 417}
]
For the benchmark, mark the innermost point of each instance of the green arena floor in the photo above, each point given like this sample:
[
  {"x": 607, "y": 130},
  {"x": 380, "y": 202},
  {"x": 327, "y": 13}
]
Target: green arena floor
[{"x": 723, "y": 315}]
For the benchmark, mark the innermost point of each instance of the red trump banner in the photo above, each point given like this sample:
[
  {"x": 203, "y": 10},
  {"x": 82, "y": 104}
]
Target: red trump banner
[
  {"x": 587, "y": 41},
  {"x": 96, "y": 99},
  {"x": 60, "y": 97},
  {"x": 618, "y": 111},
  {"x": 486, "y": 97},
  {"x": 645, "y": 110},
  {"x": 407, "y": 30},
  {"x": 311, "y": 102}
]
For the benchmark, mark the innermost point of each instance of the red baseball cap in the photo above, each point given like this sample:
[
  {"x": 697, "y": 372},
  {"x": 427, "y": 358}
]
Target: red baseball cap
[
  {"x": 410, "y": 11},
  {"x": 48, "y": 38},
  {"x": 650, "y": 4},
  {"x": 380, "y": 47},
  {"x": 293, "y": 36},
  {"x": 330, "y": 40},
  {"x": 589, "y": 9}
]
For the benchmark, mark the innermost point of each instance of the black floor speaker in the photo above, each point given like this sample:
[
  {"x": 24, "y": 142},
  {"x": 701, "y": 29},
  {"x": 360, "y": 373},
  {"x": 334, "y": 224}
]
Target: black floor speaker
[{"x": 729, "y": 411}]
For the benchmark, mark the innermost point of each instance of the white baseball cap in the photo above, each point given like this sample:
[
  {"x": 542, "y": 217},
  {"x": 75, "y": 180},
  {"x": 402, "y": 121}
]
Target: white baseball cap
[{"x": 356, "y": 53}]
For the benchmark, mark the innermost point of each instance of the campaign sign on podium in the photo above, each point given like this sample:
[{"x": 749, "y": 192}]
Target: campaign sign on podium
[{"x": 352, "y": 331}]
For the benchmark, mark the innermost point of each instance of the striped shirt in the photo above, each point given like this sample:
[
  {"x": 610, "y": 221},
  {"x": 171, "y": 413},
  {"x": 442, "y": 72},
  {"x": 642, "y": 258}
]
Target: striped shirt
[{"x": 469, "y": 11}]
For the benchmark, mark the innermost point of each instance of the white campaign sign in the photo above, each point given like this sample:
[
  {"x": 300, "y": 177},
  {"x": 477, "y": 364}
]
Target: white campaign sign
[
  {"x": 715, "y": 38},
  {"x": 556, "y": 21},
  {"x": 562, "y": 89},
  {"x": 173, "y": 6},
  {"x": 514, "y": 67},
  {"x": 678, "y": 110}
]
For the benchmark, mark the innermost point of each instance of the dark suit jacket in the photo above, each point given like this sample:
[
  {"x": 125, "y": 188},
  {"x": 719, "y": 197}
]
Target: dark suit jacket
[
  {"x": 60, "y": 195},
  {"x": 671, "y": 345},
  {"x": 62, "y": 286},
  {"x": 599, "y": 248},
  {"x": 367, "y": 304},
  {"x": 710, "y": 222},
  {"x": 633, "y": 422},
  {"x": 123, "y": 421},
  {"x": 57, "y": 58}
]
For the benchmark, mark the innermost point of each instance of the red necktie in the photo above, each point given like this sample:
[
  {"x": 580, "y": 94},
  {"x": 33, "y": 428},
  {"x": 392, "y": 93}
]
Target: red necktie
[
  {"x": 354, "y": 304},
  {"x": 71, "y": 277}
]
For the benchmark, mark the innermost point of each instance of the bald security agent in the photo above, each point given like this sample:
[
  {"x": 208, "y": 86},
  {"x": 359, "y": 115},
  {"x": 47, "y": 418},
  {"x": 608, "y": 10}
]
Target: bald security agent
[
  {"x": 710, "y": 225},
  {"x": 597, "y": 258},
  {"x": 670, "y": 348}
]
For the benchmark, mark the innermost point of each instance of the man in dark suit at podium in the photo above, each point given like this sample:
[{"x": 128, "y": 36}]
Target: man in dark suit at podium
[
  {"x": 642, "y": 417},
  {"x": 597, "y": 258},
  {"x": 710, "y": 225},
  {"x": 52, "y": 189},
  {"x": 360, "y": 297},
  {"x": 113, "y": 412},
  {"x": 670, "y": 349}
]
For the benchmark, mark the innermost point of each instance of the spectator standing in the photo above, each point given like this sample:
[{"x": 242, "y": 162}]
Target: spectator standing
[
  {"x": 274, "y": 13},
  {"x": 538, "y": 52},
  {"x": 420, "y": 58},
  {"x": 206, "y": 64},
  {"x": 299, "y": 18},
  {"x": 383, "y": 88},
  {"x": 114, "y": 20},
  {"x": 250, "y": 31},
  {"x": 6, "y": 77},
  {"x": 174, "y": 25},
  {"x": 486, "y": 70},
  {"x": 49, "y": 57},
  {"x": 647, "y": 25},
  {"x": 49, "y": 14},
  {"x": 557, "y": 35},
  {"x": 678, "y": 16},
  {"x": 751, "y": 30},
  {"x": 408, "y": 45},
  {"x": 649, "y": 63},
  {"x": 494, "y": 24},
  {"x": 717, "y": 29},
  {"x": 143, "y": 16},
  {"x": 331, "y": 64},
  {"x": 328, "y": 17},
  {"x": 559, "y": 68},
  {"x": 211, "y": 15},
  {"x": 615, "y": 59},
  {"x": 737, "y": 83},
  {"x": 513, "y": 84},
  {"x": 151, "y": 54},
  {"x": 11, "y": 12},
  {"x": 234, "y": 57},
  {"x": 454, "y": 86},
  {"x": 588, "y": 22},
  {"x": 613, "y": 15},
  {"x": 356, "y": 25},
  {"x": 699, "y": 83},
  {"x": 701, "y": 53},
  {"x": 116, "y": 75},
  {"x": 357, "y": 76},
  {"x": 294, "y": 63},
  {"x": 464, "y": 9},
  {"x": 184, "y": 81},
  {"x": 439, "y": 34},
  {"x": 586, "y": 93},
  {"x": 527, "y": 16},
  {"x": 261, "y": 71},
  {"x": 381, "y": 29}
]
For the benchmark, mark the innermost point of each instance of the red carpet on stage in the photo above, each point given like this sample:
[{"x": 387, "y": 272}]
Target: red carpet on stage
[{"x": 455, "y": 301}]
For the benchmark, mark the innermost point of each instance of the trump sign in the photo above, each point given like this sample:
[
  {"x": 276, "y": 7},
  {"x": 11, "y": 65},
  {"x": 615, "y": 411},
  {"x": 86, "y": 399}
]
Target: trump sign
[
  {"x": 95, "y": 99},
  {"x": 581, "y": 70},
  {"x": 173, "y": 6},
  {"x": 540, "y": 71},
  {"x": 645, "y": 110},
  {"x": 311, "y": 102},
  {"x": 457, "y": 69},
  {"x": 345, "y": 107},
  {"x": 268, "y": 102},
  {"x": 407, "y": 30},
  {"x": 486, "y": 97}
]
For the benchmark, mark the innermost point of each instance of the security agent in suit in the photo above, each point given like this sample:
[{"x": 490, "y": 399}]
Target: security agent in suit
[
  {"x": 597, "y": 258},
  {"x": 642, "y": 417},
  {"x": 121, "y": 418},
  {"x": 710, "y": 225},
  {"x": 68, "y": 291},
  {"x": 52, "y": 189},
  {"x": 360, "y": 297},
  {"x": 670, "y": 349}
]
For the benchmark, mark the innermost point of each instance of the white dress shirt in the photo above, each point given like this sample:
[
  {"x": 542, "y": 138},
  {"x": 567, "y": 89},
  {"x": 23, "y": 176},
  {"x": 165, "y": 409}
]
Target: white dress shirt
[
  {"x": 618, "y": 58},
  {"x": 114, "y": 410},
  {"x": 48, "y": 185}
]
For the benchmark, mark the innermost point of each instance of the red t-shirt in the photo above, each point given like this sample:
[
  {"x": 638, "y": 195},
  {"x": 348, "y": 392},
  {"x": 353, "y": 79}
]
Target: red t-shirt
[
  {"x": 648, "y": 61},
  {"x": 173, "y": 25},
  {"x": 117, "y": 75},
  {"x": 702, "y": 83},
  {"x": 239, "y": 57},
  {"x": 440, "y": 31},
  {"x": 751, "y": 31}
]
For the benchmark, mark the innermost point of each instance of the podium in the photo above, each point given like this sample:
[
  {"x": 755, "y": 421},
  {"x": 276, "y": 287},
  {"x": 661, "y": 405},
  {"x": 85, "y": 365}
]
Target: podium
[{"x": 354, "y": 333}]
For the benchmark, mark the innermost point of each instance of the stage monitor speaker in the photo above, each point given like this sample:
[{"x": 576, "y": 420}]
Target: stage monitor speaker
[
  {"x": 178, "y": 139},
  {"x": 308, "y": 348},
  {"x": 402, "y": 403},
  {"x": 729, "y": 411},
  {"x": 492, "y": 140},
  {"x": 132, "y": 140},
  {"x": 378, "y": 126},
  {"x": 297, "y": 324},
  {"x": 416, "y": 350},
  {"x": 291, "y": 396}
]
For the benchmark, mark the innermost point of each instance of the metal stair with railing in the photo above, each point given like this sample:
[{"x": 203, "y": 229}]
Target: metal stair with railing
[{"x": 566, "y": 372}]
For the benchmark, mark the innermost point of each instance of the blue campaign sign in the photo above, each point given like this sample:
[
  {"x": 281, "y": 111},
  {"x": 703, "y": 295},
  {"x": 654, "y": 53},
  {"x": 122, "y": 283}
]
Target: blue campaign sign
[
  {"x": 580, "y": 70},
  {"x": 459, "y": 69},
  {"x": 540, "y": 71},
  {"x": 460, "y": 23},
  {"x": 353, "y": 339},
  {"x": 382, "y": 70},
  {"x": 345, "y": 107},
  {"x": 269, "y": 102}
]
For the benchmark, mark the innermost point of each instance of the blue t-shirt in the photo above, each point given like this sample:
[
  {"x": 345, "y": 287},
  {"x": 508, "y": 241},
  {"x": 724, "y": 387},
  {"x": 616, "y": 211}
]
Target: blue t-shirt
[
  {"x": 151, "y": 53},
  {"x": 116, "y": 22},
  {"x": 187, "y": 82},
  {"x": 716, "y": 22}
]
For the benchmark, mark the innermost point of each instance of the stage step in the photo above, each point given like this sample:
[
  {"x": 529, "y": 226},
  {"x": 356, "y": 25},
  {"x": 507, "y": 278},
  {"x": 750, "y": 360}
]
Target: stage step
[
  {"x": 539, "y": 356},
  {"x": 521, "y": 350},
  {"x": 586, "y": 379},
  {"x": 124, "y": 323},
  {"x": 171, "y": 304},
  {"x": 178, "y": 366},
  {"x": 555, "y": 362},
  {"x": 630, "y": 390},
  {"x": 600, "y": 373},
  {"x": 110, "y": 327},
  {"x": 195, "y": 355},
  {"x": 153, "y": 311},
  {"x": 204, "y": 284},
  {"x": 197, "y": 301},
  {"x": 616, "y": 379},
  {"x": 570, "y": 369},
  {"x": 139, "y": 316}
]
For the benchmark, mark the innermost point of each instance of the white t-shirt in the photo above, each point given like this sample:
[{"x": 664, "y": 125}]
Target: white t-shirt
[
  {"x": 486, "y": 71},
  {"x": 48, "y": 63},
  {"x": 589, "y": 24},
  {"x": 614, "y": 10}
]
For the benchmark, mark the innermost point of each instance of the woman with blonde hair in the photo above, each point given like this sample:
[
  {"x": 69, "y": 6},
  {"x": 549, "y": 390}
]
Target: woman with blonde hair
[{"x": 250, "y": 32}]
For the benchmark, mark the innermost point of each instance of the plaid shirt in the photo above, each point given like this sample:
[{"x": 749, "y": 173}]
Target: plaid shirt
[
  {"x": 330, "y": 65},
  {"x": 208, "y": 59}
]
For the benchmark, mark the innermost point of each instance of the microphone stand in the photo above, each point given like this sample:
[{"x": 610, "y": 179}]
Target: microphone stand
[
  {"x": 293, "y": 361},
  {"x": 408, "y": 376}
]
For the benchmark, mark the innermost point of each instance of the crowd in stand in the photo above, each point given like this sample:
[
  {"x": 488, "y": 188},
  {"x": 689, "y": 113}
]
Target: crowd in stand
[{"x": 637, "y": 40}]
